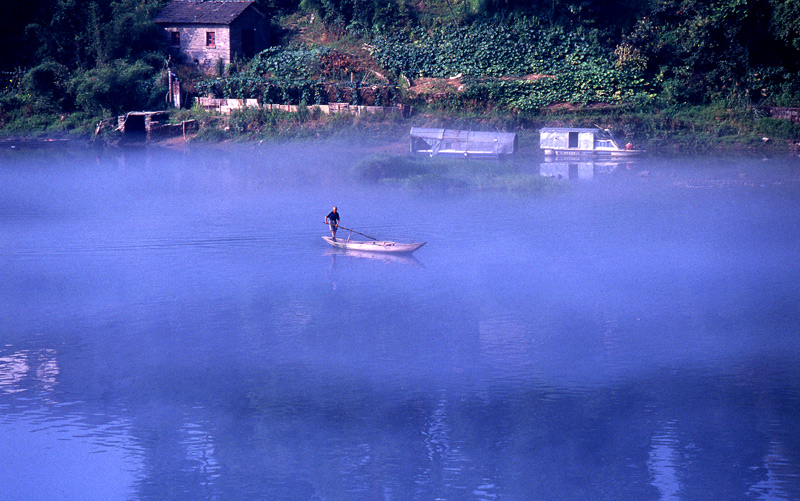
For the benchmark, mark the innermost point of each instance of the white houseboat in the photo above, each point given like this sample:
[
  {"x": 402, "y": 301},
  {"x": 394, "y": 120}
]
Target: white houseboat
[
  {"x": 573, "y": 141},
  {"x": 462, "y": 143}
]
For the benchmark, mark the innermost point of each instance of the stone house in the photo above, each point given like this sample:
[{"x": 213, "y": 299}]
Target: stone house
[{"x": 205, "y": 32}]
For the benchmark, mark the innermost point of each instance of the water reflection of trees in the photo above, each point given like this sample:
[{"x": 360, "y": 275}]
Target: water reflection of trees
[
  {"x": 600, "y": 443},
  {"x": 297, "y": 431},
  {"x": 28, "y": 370}
]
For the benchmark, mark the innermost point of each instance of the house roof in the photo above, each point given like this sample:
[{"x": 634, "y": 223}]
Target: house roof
[{"x": 208, "y": 12}]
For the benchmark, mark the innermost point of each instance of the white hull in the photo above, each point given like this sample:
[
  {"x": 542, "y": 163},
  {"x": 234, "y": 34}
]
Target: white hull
[
  {"x": 386, "y": 257},
  {"x": 374, "y": 246},
  {"x": 460, "y": 154},
  {"x": 598, "y": 152}
]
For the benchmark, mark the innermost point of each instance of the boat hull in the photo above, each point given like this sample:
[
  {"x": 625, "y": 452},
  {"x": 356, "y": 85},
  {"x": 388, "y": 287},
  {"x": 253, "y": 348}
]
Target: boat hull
[
  {"x": 385, "y": 257},
  {"x": 598, "y": 152},
  {"x": 374, "y": 246}
]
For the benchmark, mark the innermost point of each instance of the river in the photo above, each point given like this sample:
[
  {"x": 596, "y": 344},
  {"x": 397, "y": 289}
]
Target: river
[{"x": 172, "y": 326}]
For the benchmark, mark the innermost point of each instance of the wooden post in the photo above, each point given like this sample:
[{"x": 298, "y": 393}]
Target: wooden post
[
  {"x": 176, "y": 93},
  {"x": 174, "y": 89}
]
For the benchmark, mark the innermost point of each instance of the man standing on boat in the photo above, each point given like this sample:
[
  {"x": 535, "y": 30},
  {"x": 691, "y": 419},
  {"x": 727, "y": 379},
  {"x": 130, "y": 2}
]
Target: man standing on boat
[{"x": 333, "y": 220}]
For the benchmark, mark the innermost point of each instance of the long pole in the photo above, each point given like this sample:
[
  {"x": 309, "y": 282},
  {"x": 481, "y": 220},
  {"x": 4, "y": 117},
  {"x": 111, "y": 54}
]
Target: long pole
[{"x": 354, "y": 231}]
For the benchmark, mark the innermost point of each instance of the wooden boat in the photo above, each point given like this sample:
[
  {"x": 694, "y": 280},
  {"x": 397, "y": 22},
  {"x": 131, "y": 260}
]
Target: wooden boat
[
  {"x": 374, "y": 245},
  {"x": 573, "y": 141}
]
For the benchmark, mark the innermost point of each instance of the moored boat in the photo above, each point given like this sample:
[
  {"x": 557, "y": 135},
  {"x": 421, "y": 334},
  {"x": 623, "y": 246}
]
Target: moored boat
[
  {"x": 462, "y": 143},
  {"x": 374, "y": 245},
  {"x": 577, "y": 141}
]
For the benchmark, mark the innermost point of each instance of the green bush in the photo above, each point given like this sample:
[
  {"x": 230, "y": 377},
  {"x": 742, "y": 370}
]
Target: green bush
[
  {"x": 452, "y": 174},
  {"x": 212, "y": 134},
  {"x": 778, "y": 128},
  {"x": 33, "y": 122},
  {"x": 114, "y": 88},
  {"x": 45, "y": 87},
  {"x": 286, "y": 63}
]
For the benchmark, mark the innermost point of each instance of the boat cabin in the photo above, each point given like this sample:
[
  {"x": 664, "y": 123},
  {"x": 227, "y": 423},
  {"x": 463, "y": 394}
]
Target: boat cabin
[
  {"x": 578, "y": 141},
  {"x": 462, "y": 143}
]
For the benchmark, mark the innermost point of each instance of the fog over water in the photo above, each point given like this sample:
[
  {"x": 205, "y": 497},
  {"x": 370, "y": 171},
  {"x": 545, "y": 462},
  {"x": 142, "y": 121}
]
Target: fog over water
[{"x": 172, "y": 326}]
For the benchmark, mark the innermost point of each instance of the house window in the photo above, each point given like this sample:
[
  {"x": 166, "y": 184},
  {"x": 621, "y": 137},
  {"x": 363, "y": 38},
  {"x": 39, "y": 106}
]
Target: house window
[
  {"x": 210, "y": 39},
  {"x": 175, "y": 38}
]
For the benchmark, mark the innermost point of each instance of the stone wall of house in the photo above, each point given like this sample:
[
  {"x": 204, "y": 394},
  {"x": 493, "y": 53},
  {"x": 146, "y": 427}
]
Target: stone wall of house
[
  {"x": 247, "y": 35},
  {"x": 194, "y": 49}
]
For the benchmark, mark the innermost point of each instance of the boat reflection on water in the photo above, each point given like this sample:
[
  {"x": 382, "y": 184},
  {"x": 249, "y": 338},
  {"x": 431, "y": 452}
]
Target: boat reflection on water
[
  {"x": 375, "y": 256},
  {"x": 583, "y": 169},
  {"x": 338, "y": 255}
]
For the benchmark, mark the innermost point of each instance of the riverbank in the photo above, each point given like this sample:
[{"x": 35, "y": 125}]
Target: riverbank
[
  {"x": 659, "y": 130},
  {"x": 696, "y": 130}
]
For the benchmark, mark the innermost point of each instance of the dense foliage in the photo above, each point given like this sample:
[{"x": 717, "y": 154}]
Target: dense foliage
[
  {"x": 726, "y": 49},
  {"x": 88, "y": 58},
  {"x": 72, "y": 61},
  {"x": 532, "y": 65},
  {"x": 300, "y": 75}
]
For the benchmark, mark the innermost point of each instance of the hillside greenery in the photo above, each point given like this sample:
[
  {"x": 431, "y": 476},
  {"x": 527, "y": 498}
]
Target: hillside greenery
[{"x": 659, "y": 67}]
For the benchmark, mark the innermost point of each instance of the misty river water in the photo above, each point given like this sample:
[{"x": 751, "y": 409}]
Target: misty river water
[{"x": 172, "y": 326}]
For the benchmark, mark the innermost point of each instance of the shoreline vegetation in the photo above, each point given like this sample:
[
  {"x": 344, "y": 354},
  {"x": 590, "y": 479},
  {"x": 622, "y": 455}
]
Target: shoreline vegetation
[
  {"x": 695, "y": 129},
  {"x": 699, "y": 130},
  {"x": 671, "y": 76}
]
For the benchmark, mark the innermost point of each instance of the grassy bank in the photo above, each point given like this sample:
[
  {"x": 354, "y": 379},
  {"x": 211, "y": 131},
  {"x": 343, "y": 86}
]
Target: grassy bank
[
  {"x": 669, "y": 130},
  {"x": 685, "y": 129}
]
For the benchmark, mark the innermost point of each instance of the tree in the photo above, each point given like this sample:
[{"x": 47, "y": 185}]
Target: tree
[
  {"x": 785, "y": 23},
  {"x": 45, "y": 87},
  {"x": 18, "y": 51},
  {"x": 706, "y": 49},
  {"x": 113, "y": 88}
]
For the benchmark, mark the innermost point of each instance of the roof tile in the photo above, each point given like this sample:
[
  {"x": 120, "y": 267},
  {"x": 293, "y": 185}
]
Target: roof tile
[{"x": 199, "y": 12}]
